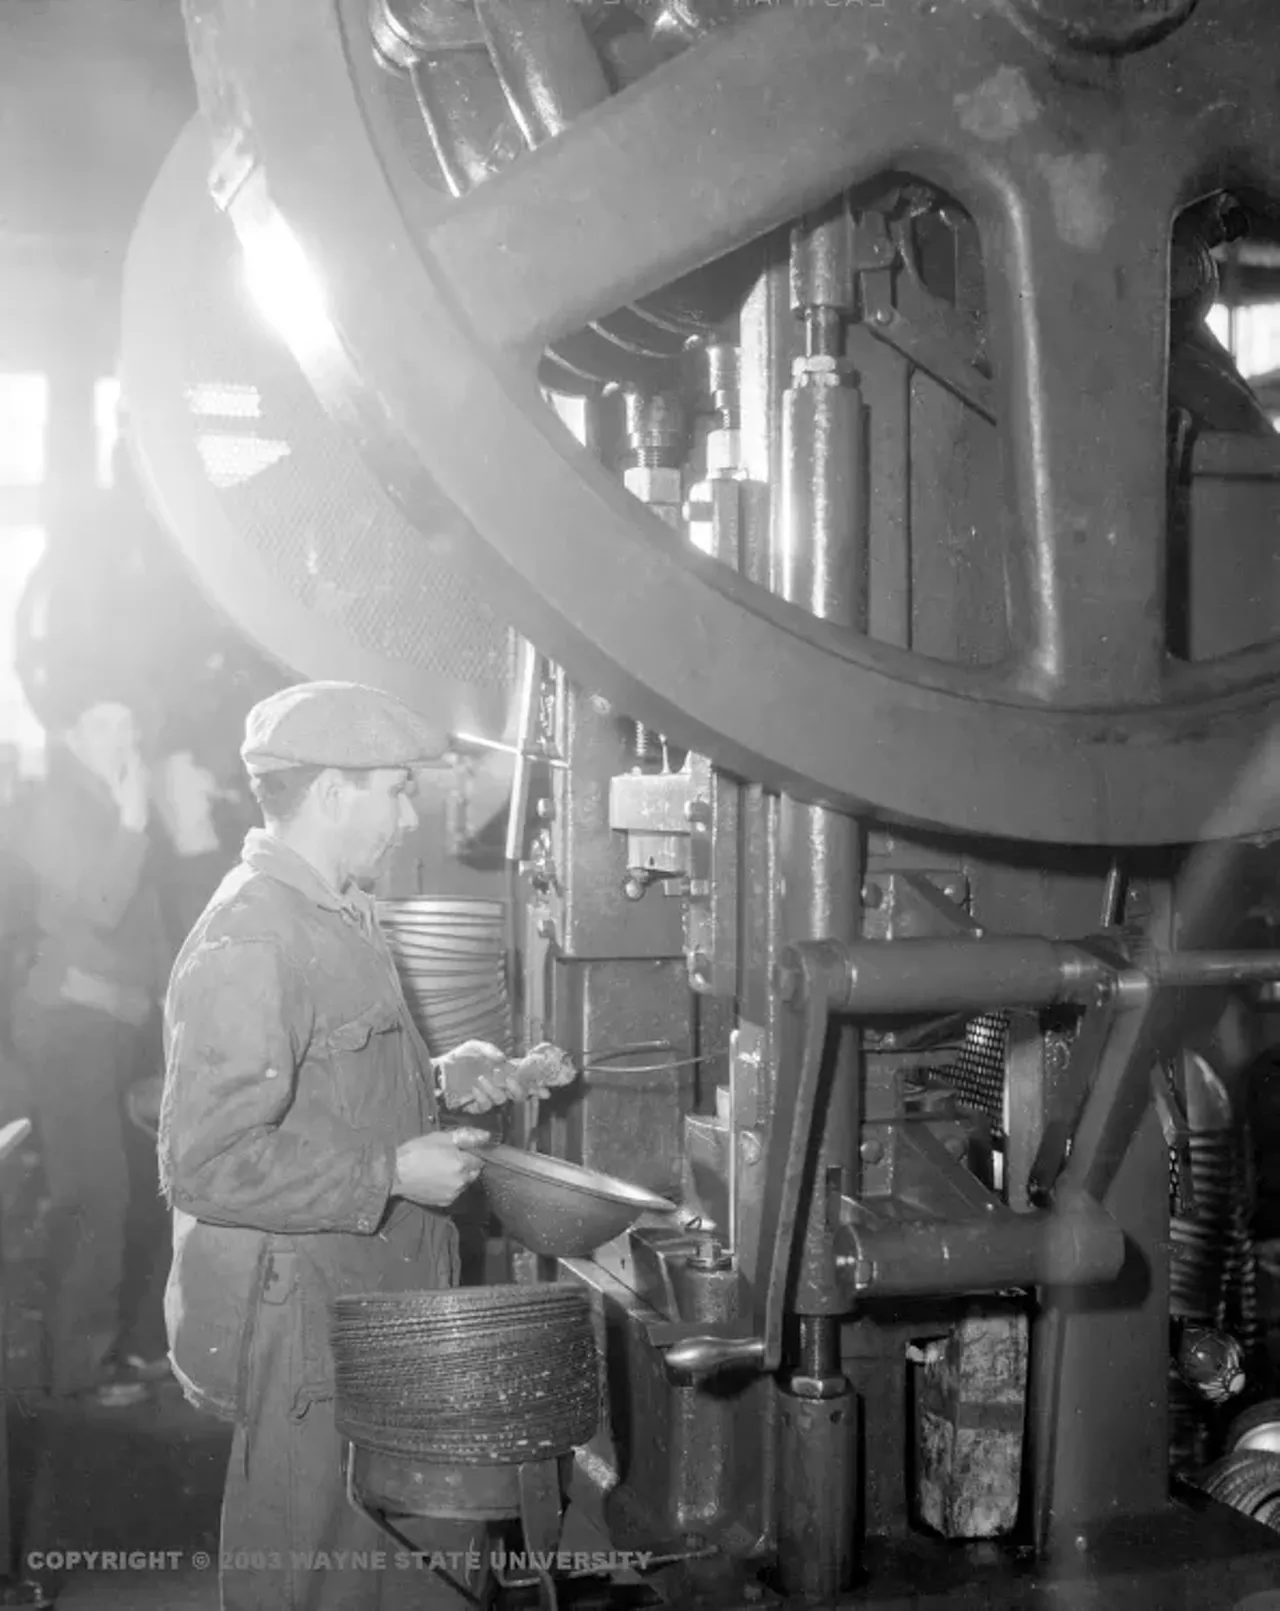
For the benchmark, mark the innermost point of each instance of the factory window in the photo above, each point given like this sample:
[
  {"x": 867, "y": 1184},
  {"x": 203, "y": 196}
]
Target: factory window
[
  {"x": 1251, "y": 334},
  {"x": 21, "y": 736},
  {"x": 225, "y": 400},
  {"x": 24, "y": 418},
  {"x": 230, "y": 461},
  {"x": 106, "y": 429},
  {"x": 1258, "y": 339}
]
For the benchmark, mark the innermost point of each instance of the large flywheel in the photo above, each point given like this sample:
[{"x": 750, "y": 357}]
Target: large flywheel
[{"x": 1072, "y": 137}]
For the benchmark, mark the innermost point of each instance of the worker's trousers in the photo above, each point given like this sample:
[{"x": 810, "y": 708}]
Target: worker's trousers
[
  {"x": 291, "y": 1541},
  {"x": 76, "y": 1062}
]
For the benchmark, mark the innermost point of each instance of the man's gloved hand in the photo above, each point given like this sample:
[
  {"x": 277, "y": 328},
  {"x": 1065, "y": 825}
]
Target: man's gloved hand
[{"x": 476, "y": 1076}]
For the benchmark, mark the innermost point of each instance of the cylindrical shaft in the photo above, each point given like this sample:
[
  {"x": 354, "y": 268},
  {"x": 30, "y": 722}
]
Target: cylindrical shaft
[
  {"x": 909, "y": 976},
  {"x": 822, "y": 568},
  {"x": 816, "y": 1494},
  {"x": 1080, "y": 1247}
]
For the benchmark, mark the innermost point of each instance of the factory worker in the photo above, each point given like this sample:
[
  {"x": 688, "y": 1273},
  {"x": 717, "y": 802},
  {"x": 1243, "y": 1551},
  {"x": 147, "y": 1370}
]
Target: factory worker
[
  {"x": 299, "y": 1146},
  {"x": 95, "y": 972}
]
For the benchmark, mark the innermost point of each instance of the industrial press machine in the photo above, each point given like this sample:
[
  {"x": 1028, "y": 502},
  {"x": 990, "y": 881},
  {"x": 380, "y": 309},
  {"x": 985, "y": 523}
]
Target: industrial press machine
[{"x": 822, "y": 392}]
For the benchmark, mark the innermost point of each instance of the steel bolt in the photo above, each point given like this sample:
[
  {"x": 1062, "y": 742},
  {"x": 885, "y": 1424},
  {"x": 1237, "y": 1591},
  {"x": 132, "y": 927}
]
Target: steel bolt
[
  {"x": 872, "y": 896},
  {"x": 871, "y": 1151},
  {"x": 787, "y": 981},
  {"x": 1057, "y": 1053},
  {"x": 957, "y": 1146},
  {"x": 750, "y": 1147},
  {"x": 545, "y": 809},
  {"x": 710, "y": 1255}
]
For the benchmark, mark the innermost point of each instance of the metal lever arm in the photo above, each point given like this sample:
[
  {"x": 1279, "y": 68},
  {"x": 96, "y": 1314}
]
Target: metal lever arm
[
  {"x": 704, "y": 1356},
  {"x": 812, "y": 977}
]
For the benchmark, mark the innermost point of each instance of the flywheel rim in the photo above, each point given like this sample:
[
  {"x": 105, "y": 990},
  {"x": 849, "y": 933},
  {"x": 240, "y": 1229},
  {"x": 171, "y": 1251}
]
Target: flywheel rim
[{"x": 1144, "y": 775}]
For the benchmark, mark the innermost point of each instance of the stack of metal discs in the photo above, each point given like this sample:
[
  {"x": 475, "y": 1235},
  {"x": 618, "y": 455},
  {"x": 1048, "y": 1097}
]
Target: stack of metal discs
[
  {"x": 452, "y": 960},
  {"x": 478, "y": 1376}
]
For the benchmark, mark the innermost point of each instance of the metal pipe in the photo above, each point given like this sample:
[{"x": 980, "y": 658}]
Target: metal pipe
[
  {"x": 818, "y": 1352},
  {"x": 1187, "y": 969},
  {"x": 1080, "y": 1246},
  {"x": 816, "y": 1474},
  {"x": 822, "y": 568},
  {"x": 907, "y": 976}
]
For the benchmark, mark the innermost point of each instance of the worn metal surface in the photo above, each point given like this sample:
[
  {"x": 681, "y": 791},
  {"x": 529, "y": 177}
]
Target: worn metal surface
[
  {"x": 1047, "y": 164},
  {"x": 931, "y": 1257},
  {"x": 971, "y": 1406},
  {"x": 632, "y": 1023},
  {"x": 674, "y": 1461},
  {"x": 557, "y": 1209},
  {"x": 403, "y": 1487},
  {"x": 816, "y": 1488}
]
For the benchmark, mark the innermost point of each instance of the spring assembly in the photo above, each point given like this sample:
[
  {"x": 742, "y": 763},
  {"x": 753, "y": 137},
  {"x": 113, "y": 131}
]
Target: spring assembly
[
  {"x": 1213, "y": 1275},
  {"x": 1213, "y": 1271}
]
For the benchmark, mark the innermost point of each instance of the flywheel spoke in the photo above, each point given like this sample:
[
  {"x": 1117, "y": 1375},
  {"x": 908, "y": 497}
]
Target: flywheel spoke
[
  {"x": 1085, "y": 247},
  {"x": 715, "y": 148},
  {"x": 1072, "y": 172}
]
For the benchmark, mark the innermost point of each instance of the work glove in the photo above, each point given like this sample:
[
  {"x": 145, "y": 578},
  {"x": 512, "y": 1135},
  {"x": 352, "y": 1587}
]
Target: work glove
[{"x": 476, "y": 1076}]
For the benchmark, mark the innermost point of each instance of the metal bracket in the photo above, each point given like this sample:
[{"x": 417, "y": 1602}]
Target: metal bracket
[
  {"x": 811, "y": 978},
  {"x": 902, "y": 905}
]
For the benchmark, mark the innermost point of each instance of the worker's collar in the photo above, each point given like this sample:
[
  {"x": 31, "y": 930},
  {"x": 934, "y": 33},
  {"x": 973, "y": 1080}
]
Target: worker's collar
[{"x": 267, "y": 854}]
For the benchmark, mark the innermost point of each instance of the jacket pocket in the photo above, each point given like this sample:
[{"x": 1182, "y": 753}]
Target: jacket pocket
[
  {"x": 210, "y": 1305},
  {"x": 365, "y": 1055},
  {"x": 356, "y": 1034},
  {"x": 294, "y": 1311}
]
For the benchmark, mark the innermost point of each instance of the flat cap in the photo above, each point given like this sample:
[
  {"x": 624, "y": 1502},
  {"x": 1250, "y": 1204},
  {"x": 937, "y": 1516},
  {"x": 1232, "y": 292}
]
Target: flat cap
[{"x": 337, "y": 724}]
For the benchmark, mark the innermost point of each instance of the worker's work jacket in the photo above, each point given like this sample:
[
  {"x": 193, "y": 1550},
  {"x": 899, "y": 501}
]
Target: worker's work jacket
[
  {"x": 97, "y": 940},
  {"x": 294, "y": 1072}
]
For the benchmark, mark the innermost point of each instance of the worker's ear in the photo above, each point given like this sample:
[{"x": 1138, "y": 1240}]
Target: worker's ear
[{"x": 329, "y": 791}]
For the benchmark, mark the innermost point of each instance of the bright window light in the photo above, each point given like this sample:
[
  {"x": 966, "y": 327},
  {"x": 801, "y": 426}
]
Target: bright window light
[
  {"x": 20, "y": 550},
  {"x": 1251, "y": 334},
  {"x": 1258, "y": 339},
  {"x": 230, "y": 461},
  {"x": 572, "y": 412},
  {"x": 225, "y": 400},
  {"x": 106, "y": 428},
  {"x": 285, "y": 288},
  {"x": 24, "y": 417}
]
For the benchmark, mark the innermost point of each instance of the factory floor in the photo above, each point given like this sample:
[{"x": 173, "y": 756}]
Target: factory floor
[
  {"x": 147, "y": 1477},
  {"x": 143, "y": 1478}
]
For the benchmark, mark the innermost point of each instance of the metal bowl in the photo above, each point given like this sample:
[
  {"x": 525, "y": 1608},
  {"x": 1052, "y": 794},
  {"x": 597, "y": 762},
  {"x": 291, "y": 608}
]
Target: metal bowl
[{"x": 559, "y": 1209}]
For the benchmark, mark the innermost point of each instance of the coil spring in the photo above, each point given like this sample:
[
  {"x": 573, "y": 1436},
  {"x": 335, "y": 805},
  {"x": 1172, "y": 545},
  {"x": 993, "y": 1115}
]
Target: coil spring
[
  {"x": 1213, "y": 1274},
  {"x": 1188, "y": 1427}
]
